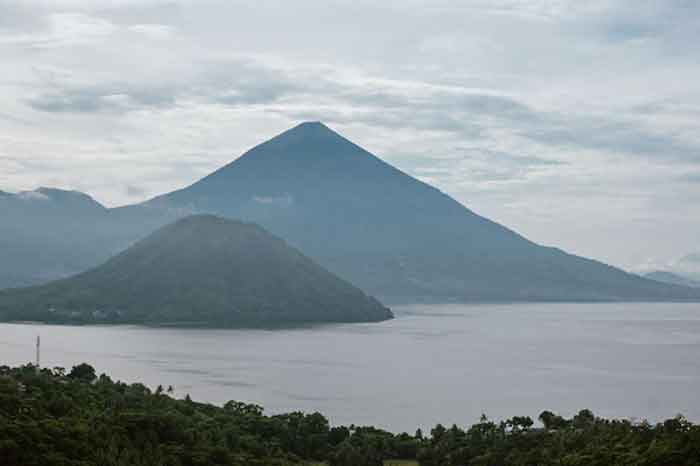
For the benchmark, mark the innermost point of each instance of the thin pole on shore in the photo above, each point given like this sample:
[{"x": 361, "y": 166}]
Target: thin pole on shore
[{"x": 38, "y": 353}]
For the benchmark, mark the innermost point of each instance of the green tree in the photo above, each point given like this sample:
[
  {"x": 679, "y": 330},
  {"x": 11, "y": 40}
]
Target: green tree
[{"x": 84, "y": 372}]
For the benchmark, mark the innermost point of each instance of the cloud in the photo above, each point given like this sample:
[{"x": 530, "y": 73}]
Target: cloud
[
  {"x": 113, "y": 98},
  {"x": 575, "y": 123},
  {"x": 614, "y": 134},
  {"x": 135, "y": 191},
  {"x": 689, "y": 178},
  {"x": 247, "y": 82},
  {"x": 232, "y": 83},
  {"x": 153, "y": 31},
  {"x": 282, "y": 201},
  {"x": 692, "y": 258},
  {"x": 32, "y": 196},
  {"x": 687, "y": 265},
  {"x": 61, "y": 30},
  {"x": 627, "y": 20}
]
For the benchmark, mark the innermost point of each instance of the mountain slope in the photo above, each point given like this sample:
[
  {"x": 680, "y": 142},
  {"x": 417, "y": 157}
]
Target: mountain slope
[
  {"x": 672, "y": 278},
  {"x": 201, "y": 269},
  {"x": 393, "y": 235}
]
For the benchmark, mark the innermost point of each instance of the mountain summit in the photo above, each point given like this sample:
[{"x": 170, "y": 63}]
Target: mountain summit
[
  {"x": 200, "y": 270},
  {"x": 332, "y": 198}
]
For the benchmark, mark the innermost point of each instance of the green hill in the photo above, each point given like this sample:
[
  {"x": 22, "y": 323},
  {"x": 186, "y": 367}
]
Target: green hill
[{"x": 200, "y": 270}]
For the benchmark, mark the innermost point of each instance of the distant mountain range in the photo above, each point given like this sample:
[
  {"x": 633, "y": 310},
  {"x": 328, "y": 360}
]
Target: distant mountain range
[
  {"x": 200, "y": 270},
  {"x": 672, "y": 278},
  {"x": 52, "y": 233},
  {"x": 687, "y": 266},
  {"x": 388, "y": 233}
]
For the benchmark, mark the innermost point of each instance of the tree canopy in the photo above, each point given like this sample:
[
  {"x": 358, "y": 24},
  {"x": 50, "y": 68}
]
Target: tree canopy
[{"x": 48, "y": 418}]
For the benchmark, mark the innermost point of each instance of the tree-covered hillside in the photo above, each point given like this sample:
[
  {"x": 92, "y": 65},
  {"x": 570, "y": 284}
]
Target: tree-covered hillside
[{"x": 54, "y": 418}]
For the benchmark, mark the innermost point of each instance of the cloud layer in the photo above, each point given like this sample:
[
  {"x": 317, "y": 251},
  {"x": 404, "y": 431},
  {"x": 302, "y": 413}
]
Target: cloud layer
[{"x": 575, "y": 123}]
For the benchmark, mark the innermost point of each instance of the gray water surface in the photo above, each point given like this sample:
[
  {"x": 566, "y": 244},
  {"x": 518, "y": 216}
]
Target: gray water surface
[{"x": 433, "y": 363}]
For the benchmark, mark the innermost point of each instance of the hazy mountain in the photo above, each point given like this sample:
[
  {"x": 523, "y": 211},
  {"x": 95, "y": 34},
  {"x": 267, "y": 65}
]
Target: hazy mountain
[
  {"x": 392, "y": 235},
  {"x": 43, "y": 235},
  {"x": 377, "y": 227},
  {"x": 201, "y": 269},
  {"x": 51, "y": 233},
  {"x": 688, "y": 266},
  {"x": 672, "y": 278}
]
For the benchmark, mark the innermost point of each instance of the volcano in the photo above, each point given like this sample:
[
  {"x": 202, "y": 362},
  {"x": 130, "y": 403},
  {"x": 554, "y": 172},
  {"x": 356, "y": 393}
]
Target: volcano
[{"x": 375, "y": 226}]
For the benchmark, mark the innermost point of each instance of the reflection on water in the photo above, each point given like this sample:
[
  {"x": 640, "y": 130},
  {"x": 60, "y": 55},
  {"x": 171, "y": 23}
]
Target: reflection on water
[{"x": 444, "y": 363}]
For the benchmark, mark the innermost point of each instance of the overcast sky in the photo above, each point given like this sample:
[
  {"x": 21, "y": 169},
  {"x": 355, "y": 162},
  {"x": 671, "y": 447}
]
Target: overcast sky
[{"x": 575, "y": 123}]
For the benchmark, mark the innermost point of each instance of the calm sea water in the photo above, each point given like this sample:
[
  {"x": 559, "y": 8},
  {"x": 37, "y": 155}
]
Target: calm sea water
[{"x": 446, "y": 363}]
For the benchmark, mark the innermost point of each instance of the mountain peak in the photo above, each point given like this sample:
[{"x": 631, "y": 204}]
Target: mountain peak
[
  {"x": 208, "y": 224},
  {"x": 311, "y": 124},
  {"x": 67, "y": 196},
  {"x": 299, "y": 152},
  {"x": 311, "y": 127},
  {"x": 308, "y": 132}
]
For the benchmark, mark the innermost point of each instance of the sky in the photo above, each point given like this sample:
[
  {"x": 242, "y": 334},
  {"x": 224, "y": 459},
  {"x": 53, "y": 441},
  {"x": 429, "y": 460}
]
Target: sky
[{"x": 576, "y": 124}]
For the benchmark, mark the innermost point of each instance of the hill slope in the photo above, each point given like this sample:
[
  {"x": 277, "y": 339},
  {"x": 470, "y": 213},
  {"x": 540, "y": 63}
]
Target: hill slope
[{"x": 201, "y": 269}]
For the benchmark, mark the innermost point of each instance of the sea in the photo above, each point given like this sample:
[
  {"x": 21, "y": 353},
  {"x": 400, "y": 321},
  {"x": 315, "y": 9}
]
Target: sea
[{"x": 432, "y": 364}]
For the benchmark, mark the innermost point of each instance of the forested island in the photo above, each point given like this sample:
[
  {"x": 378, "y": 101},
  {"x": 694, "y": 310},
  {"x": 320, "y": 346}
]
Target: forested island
[
  {"x": 54, "y": 417},
  {"x": 201, "y": 270}
]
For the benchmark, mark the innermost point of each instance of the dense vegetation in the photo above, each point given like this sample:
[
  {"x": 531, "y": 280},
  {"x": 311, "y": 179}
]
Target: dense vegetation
[
  {"x": 60, "y": 418},
  {"x": 199, "y": 270}
]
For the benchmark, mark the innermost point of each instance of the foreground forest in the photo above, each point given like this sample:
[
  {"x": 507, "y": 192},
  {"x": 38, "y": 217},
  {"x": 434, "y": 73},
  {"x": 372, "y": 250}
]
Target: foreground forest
[{"x": 61, "y": 418}]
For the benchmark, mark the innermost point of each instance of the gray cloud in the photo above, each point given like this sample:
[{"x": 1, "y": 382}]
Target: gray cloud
[
  {"x": 235, "y": 83},
  {"x": 510, "y": 159},
  {"x": 572, "y": 122},
  {"x": 21, "y": 17},
  {"x": 615, "y": 135},
  {"x": 689, "y": 177},
  {"x": 692, "y": 258},
  {"x": 687, "y": 265},
  {"x": 111, "y": 98},
  {"x": 281, "y": 201},
  {"x": 135, "y": 191},
  {"x": 245, "y": 82},
  {"x": 389, "y": 104}
]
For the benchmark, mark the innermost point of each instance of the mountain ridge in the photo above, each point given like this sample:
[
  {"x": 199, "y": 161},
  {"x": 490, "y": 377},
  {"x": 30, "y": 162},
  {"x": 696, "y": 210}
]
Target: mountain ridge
[{"x": 392, "y": 235}]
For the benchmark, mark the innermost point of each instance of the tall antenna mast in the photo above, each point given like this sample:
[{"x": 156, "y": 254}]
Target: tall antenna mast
[{"x": 38, "y": 352}]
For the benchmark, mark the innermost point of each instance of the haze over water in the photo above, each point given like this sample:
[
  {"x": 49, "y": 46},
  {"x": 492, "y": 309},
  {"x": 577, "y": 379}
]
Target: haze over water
[{"x": 433, "y": 363}]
